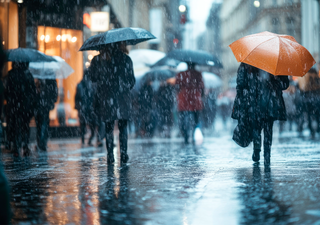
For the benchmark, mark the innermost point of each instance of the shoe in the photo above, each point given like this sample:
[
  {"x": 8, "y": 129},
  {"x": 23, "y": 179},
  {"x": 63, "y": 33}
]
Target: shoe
[
  {"x": 99, "y": 144},
  {"x": 26, "y": 151},
  {"x": 110, "y": 158},
  {"x": 256, "y": 155},
  {"x": 124, "y": 157},
  {"x": 267, "y": 158}
]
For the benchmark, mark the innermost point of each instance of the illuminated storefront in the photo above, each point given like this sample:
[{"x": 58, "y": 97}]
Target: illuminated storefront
[
  {"x": 64, "y": 43},
  {"x": 9, "y": 25}
]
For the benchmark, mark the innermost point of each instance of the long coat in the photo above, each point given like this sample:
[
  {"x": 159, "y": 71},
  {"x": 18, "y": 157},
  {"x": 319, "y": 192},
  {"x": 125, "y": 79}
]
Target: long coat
[
  {"x": 115, "y": 79},
  {"x": 47, "y": 95},
  {"x": 190, "y": 88},
  {"x": 259, "y": 94},
  {"x": 21, "y": 93}
]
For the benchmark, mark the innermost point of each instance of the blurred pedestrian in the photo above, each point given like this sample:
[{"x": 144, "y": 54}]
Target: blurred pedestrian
[
  {"x": 5, "y": 210},
  {"x": 289, "y": 97},
  {"x": 84, "y": 100},
  {"x": 47, "y": 91},
  {"x": 309, "y": 87},
  {"x": 21, "y": 102},
  {"x": 259, "y": 98},
  {"x": 146, "y": 99},
  {"x": 190, "y": 87},
  {"x": 164, "y": 102},
  {"x": 113, "y": 70},
  {"x": 209, "y": 107}
]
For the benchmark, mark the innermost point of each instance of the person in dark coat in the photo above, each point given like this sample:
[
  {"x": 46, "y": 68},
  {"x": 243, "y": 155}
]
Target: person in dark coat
[
  {"x": 47, "y": 91},
  {"x": 84, "y": 104},
  {"x": 309, "y": 87},
  {"x": 259, "y": 97},
  {"x": 113, "y": 69},
  {"x": 146, "y": 98},
  {"x": 190, "y": 87},
  {"x": 21, "y": 103},
  {"x": 164, "y": 102}
]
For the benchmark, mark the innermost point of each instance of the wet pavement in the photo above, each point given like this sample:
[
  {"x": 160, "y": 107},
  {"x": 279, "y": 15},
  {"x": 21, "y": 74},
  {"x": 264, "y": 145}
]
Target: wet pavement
[{"x": 166, "y": 182}]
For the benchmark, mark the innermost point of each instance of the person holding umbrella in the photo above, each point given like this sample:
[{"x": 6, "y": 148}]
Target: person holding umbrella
[
  {"x": 21, "y": 102},
  {"x": 266, "y": 61},
  {"x": 47, "y": 95},
  {"x": 112, "y": 69},
  {"x": 190, "y": 87}
]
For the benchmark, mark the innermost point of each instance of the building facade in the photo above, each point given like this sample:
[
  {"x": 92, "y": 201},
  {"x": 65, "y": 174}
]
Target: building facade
[{"x": 244, "y": 17}]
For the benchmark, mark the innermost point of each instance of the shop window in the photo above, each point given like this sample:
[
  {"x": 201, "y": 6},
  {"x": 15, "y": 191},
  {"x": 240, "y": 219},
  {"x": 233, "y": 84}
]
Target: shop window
[{"x": 66, "y": 44}]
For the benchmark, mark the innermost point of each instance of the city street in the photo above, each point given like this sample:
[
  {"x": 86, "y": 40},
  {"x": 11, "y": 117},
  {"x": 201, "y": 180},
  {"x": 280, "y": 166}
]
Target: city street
[{"x": 166, "y": 182}]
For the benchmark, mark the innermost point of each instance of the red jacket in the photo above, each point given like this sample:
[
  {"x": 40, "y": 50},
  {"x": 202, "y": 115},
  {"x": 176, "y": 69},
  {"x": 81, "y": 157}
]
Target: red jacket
[{"x": 190, "y": 88}]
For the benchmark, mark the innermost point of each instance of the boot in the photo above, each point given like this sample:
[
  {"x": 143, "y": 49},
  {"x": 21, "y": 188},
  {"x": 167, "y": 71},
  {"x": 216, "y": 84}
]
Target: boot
[
  {"x": 267, "y": 155},
  {"x": 256, "y": 155},
  {"x": 124, "y": 157}
]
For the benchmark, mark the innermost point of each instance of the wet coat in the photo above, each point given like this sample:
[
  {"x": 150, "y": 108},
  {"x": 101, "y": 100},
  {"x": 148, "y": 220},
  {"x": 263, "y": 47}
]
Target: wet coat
[
  {"x": 259, "y": 94},
  {"x": 47, "y": 95},
  {"x": 115, "y": 79},
  {"x": 21, "y": 93},
  {"x": 190, "y": 87}
]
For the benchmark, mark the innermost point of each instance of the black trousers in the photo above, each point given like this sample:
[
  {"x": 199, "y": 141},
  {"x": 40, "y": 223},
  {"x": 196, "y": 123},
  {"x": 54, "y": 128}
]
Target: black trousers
[
  {"x": 42, "y": 121},
  {"x": 123, "y": 135},
  {"x": 188, "y": 121},
  {"x": 84, "y": 121},
  {"x": 266, "y": 126}
]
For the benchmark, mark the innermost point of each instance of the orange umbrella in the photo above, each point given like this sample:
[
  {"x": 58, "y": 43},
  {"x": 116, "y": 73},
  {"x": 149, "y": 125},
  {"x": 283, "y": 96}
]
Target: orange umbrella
[{"x": 276, "y": 54}]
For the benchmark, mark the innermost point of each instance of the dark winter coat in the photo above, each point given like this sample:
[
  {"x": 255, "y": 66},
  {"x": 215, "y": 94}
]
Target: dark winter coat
[
  {"x": 259, "y": 94},
  {"x": 47, "y": 95},
  {"x": 190, "y": 88},
  {"x": 21, "y": 93},
  {"x": 115, "y": 79}
]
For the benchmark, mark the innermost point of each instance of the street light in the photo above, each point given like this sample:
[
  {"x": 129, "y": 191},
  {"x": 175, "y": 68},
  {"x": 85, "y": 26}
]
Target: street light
[
  {"x": 256, "y": 4},
  {"x": 182, "y": 8}
]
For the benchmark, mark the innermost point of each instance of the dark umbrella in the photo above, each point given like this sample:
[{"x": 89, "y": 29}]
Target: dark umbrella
[
  {"x": 166, "y": 61},
  {"x": 130, "y": 35},
  {"x": 27, "y": 55},
  {"x": 194, "y": 56},
  {"x": 155, "y": 75}
]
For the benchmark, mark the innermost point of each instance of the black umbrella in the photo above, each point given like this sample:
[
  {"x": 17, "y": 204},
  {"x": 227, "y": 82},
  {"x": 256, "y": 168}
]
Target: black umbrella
[
  {"x": 166, "y": 61},
  {"x": 130, "y": 35},
  {"x": 195, "y": 56},
  {"x": 27, "y": 55},
  {"x": 155, "y": 75}
]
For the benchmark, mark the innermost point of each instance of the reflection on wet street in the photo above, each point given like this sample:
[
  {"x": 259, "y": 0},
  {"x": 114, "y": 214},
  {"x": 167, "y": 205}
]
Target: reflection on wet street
[{"x": 166, "y": 182}]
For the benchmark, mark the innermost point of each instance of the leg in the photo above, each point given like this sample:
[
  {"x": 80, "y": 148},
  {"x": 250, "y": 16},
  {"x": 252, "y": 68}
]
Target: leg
[
  {"x": 44, "y": 130},
  {"x": 184, "y": 125},
  {"x": 82, "y": 126},
  {"x": 92, "y": 129},
  {"x": 256, "y": 140},
  {"x": 196, "y": 116},
  {"x": 123, "y": 137},
  {"x": 109, "y": 140},
  {"x": 267, "y": 142}
]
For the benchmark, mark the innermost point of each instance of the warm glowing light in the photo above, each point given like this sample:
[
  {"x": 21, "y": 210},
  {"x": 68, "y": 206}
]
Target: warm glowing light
[
  {"x": 87, "y": 64},
  {"x": 74, "y": 39},
  {"x": 47, "y": 38},
  {"x": 20, "y": 1},
  {"x": 90, "y": 57},
  {"x": 182, "y": 8},
  {"x": 3, "y": 43},
  {"x": 256, "y": 4},
  {"x": 58, "y": 38},
  {"x": 42, "y": 37},
  {"x": 64, "y": 38}
]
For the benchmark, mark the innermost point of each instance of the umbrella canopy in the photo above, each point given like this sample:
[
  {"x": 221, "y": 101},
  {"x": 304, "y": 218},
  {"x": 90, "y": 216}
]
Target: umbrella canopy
[
  {"x": 51, "y": 70},
  {"x": 196, "y": 57},
  {"x": 211, "y": 80},
  {"x": 27, "y": 55},
  {"x": 154, "y": 75},
  {"x": 276, "y": 54},
  {"x": 131, "y": 36},
  {"x": 145, "y": 57},
  {"x": 166, "y": 61}
]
